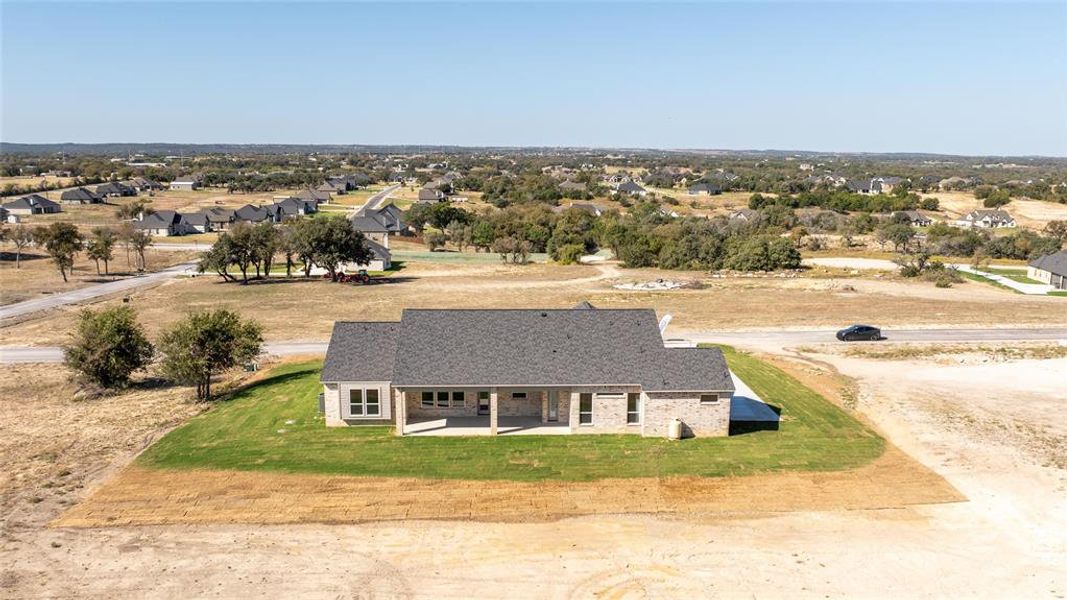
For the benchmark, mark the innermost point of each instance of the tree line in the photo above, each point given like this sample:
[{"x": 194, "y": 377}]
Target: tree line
[{"x": 64, "y": 241}]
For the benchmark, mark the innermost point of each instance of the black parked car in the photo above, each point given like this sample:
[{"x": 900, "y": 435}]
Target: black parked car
[{"x": 857, "y": 333}]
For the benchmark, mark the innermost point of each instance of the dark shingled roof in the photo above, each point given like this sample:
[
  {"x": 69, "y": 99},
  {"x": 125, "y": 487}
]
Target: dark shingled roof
[
  {"x": 527, "y": 347},
  {"x": 1055, "y": 263},
  {"x": 361, "y": 351}
]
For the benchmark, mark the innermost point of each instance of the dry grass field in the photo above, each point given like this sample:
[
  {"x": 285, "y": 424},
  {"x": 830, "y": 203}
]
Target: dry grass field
[
  {"x": 39, "y": 276},
  {"x": 29, "y": 183},
  {"x": 1032, "y": 214},
  {"x": 306, "y": 309}
]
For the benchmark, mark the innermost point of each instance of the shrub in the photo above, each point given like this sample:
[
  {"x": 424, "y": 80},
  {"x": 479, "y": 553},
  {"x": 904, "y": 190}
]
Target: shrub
[
  {"x": 568, "y": 254},
  {"x": 108, "y": 346}
]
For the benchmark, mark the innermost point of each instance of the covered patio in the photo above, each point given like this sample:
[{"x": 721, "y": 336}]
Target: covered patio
[{"x": 457, "y": 426}]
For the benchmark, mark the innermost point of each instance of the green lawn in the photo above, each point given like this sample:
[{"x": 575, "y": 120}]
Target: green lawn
[
  {"x": 980, "y": 279},
  {"x": 274, "y": 425},
  {"x": 1012, "y": 274}
]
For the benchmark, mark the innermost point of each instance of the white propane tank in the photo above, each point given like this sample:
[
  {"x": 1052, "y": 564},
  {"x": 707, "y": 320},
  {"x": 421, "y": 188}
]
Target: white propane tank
[{"x": 674, "y": 430}]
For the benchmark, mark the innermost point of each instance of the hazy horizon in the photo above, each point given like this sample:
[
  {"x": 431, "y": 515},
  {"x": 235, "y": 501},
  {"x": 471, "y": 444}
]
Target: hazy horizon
[{"x": 962, "y": 79}]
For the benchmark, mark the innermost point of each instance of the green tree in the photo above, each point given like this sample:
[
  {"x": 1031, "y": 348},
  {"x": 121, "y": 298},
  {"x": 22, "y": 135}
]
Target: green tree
[
  {"x": 434, "y": 239},
  {"x": 335, "y": 242},
  {"x": 108, "y": 346},
  {"x": 62, "y": 241},
  {"x": 101, "y": 247},
  {"x": 206, "y": 344},
  {"x": 139, "y": 241},
  {"x": 21, "y": 237}
]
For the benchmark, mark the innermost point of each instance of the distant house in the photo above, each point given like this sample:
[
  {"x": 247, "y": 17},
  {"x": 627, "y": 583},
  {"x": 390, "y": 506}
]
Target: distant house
[
  {"x": 115, "y": 189},
  {"x": 79, "y": 195},
  {"x": 164, "y": 223},
  {"x": 704, "y": 189},
  {"x": 744, "y": 215},
  {"x": 631, "y": 188},
  {"x": 376, "y": 225},
  {"x": 142, "y": 184},
  {"x": 251, "y": 214},
  {"x": 7, "y": 217},
  {"x": 333, "y": 187},
  {"x": 988, "y": 219},
  {"x": 885, "y": 185},
  {"x": 592, "y": 209},
  {"x": 218, "y": 218},
  {"x": 1050, "y": 269},
  {"x": 572, "y": 186},
  {"x": 186, "y": 183},
  {"x": 429, "y": 195},
  {"x": 313, "y": 195},
  {"x": 197, "y": 221},
  {"x": 33, "y": 204},
  {"x": 859, "y": 186},
  {"x": 914, "y": 218},
  {"x": 292, "y": 207}
]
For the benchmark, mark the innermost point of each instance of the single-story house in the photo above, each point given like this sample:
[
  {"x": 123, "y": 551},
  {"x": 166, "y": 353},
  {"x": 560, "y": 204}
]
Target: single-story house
[
  {"x": 186, "y": 182},
  {"x": 987, "y": 218},
  {"x": 582, "y": 370},
  {"x": 382, "y": 259},
  {"x": 292, "y": 207},
  {"x": 572, "y": 186},
  {"x": 34, "y": 204},
  {"x": 143, "y": 184},
  {"x": 1050, "y": 269},
  {"x": 197, "y": 221},
  {"x": 7, "y": 217},
  {"x": 377, "y": 223},
  {"x": 164, "y": 223},
  {"x": 115, "y": 189},
  {"x": 313, "y": 195},
  {"x": 250, "y": 213},
  {"x": 744, "y": 215},
  {"x": 333, "y": 187},
  {"x": 629, "y": 187},
  {"x": 429, "y": 195},
  {"x": 704, "y": 189},
  {"x": 218, "y": 218},
  {"x": 914, "y": 218},
  {"x": 79, "y": 195},
  {"x": 592, "y": 209}
]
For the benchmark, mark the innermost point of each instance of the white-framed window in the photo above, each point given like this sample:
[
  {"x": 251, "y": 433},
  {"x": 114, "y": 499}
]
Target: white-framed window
[
  {"x": 364, "y": 403},
  {"x": 709, "y": 398},
  {"x": 585, "y": 409},
  {"x": 633, "y": 409}
]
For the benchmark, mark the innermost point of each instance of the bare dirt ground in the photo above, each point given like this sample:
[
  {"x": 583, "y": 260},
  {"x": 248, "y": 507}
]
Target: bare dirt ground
[
  {"x": 964, "y": 418},
  {"x": 1033, "y": 214},
  {"x": 37, "y": 275},
  {"x": 305, "y": 310}
]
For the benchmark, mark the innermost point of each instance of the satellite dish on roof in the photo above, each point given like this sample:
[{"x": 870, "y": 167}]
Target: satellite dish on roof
[{"x": 663, "y": 323}]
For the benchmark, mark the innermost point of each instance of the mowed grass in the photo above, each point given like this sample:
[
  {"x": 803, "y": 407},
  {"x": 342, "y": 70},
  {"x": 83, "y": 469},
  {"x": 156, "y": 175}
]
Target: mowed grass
[
  {"x": 1012, "y": 274},
  {"x": 274, "y": 425}
]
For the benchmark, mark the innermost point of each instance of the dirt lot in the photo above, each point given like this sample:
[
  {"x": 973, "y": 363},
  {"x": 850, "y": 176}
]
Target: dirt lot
[
  {"x": 306, "y": 310},
  {"x": 1033, "y": 214},
  {"x": 1007, "y": 540},
  {"x": 37, "y": 275}
]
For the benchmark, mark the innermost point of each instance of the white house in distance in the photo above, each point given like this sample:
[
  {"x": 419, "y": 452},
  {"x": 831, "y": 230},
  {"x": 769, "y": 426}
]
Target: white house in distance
[
  {"x": 185, "y": 182},
  {"x": 987, "y": 219}
]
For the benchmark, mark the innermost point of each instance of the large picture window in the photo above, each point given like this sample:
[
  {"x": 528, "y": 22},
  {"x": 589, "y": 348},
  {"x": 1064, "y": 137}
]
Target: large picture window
[
  {"x": 585, "y": 409},
  {"x": 633, "y": 409},
  {"x": 458, "y": 399},
  {"x": 442, "y": 399}
]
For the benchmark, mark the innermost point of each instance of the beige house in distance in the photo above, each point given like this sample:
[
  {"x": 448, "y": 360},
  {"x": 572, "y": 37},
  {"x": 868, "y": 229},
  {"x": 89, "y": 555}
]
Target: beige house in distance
[{"x": 500, "y": 371}]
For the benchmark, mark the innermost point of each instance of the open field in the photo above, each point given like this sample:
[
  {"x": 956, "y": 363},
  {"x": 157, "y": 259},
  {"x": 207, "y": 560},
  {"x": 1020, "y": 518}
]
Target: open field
[
  {"x": 26, "y": 184},
  {"x": 1032, "y": 214},
  {"x": 306, "y": 309},
  {"x": 38, "y": 275}
]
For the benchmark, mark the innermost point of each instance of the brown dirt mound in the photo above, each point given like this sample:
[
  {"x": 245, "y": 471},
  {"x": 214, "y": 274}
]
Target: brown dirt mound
[{"x": 140, "y": 496}]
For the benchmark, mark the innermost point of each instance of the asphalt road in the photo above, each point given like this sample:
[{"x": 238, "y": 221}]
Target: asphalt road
[
  {"x": 51, "y": 354},
  {"x": 94, "y": 291}
]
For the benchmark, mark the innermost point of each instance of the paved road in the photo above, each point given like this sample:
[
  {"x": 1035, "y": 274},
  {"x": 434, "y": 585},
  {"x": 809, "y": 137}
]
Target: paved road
[
  {"x": 51, "y": 354},
  {"x": 94, "y": 291},
  {"x": 376, "y": 200}
]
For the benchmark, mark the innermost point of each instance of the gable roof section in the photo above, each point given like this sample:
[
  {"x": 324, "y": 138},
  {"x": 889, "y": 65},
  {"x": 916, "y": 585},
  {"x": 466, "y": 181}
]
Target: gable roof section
[
  {"x": 79, "y": 194},
  {"x": 30, "y": 202},
  {"x": 1055, "y": 263},
  {"x": 361, "y": 351}
]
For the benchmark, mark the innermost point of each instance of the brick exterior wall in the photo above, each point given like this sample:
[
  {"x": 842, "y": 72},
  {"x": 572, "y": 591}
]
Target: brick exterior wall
[
  {"x": 660, "y": 408},
  {"x": 609, "y": 410}
]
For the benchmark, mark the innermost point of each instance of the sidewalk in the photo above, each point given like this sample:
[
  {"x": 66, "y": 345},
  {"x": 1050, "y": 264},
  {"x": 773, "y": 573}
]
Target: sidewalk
[{"x": 1031, "y": 289}]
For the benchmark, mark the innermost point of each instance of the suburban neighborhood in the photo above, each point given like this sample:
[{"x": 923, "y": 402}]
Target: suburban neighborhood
[{"x": 512, "y": 300}]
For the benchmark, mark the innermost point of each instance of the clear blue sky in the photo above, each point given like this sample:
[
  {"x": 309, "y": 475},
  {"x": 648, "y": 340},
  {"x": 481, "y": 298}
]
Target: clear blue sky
[{"x": 968, "y": 78}]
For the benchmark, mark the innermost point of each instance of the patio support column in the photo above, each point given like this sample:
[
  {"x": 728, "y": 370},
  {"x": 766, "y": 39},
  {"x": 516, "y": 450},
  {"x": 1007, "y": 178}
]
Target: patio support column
[
  {"x": 401, "y": 412},
  {"x": 493, "y": 413}
]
